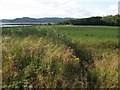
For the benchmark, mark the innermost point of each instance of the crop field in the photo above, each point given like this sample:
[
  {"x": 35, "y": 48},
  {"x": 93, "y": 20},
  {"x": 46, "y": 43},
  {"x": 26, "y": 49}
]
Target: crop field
[{"x": 59, "y": 56}]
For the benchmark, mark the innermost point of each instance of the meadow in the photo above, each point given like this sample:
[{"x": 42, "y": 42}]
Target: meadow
[
  {"x": 59, "y": 56},
  {"x": 92, "y": 33}
]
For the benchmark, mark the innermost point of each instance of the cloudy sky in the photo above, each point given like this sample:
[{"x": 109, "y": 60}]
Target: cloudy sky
[{"x": 11, "y": 9}]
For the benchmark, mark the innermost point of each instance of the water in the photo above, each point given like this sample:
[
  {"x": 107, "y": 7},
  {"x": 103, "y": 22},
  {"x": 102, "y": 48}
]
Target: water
[
  {"x": 13, "y": 25},
  {"x": 17, "y": 24}
]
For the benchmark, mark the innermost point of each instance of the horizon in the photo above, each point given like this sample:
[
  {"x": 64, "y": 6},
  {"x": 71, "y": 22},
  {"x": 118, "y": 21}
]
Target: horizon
[
  {"x": 12, "y": 9},
  {"x": 52, "y": 17}
]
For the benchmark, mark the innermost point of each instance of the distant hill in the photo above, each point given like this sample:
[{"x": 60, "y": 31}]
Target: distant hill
[{"x": 35, "y": 20}]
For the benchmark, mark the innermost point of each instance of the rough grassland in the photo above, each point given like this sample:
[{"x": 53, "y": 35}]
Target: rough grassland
[{"x": 60, "y": 57}]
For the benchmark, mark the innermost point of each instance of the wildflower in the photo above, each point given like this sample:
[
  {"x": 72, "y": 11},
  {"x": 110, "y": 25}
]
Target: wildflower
[
  {"x": 30, "y": 86},
  {"x": 25, "y": 86},
  {"x": 77, "y": 59}
]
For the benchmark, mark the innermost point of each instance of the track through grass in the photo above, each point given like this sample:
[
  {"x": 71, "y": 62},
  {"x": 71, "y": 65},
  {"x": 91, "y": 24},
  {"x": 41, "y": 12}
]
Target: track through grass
[{"x": 60, "y": 56}]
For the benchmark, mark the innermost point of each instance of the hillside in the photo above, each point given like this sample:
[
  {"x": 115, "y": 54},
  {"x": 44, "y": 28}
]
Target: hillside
[
  {"x": 35, "y": 20},
  {"x": 106, "y": 20}
]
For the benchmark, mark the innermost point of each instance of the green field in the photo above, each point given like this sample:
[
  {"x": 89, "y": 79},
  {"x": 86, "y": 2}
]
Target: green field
[
  {"x": 51, "y": 56},
  {"x": 89, "y": 33}
]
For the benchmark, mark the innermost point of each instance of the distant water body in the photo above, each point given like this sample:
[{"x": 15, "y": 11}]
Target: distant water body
[
  {"x": 17, "y": 24},
  {"x": 13, "y": 25}
]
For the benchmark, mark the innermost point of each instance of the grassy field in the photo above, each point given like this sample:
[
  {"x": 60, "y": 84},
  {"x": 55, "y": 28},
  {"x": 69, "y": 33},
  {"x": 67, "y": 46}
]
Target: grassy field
[
  {"x": 60, "y": 57},
  {"x": 86, "y": 33},
  {"x": 89, "y": 33}
]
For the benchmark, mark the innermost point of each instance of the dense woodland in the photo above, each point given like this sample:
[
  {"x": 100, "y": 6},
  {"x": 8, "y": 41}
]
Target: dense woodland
[{"x": 105, "y": 20}]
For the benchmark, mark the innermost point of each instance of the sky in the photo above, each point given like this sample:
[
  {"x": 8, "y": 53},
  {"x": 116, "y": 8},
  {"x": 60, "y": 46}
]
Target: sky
[{"x": 11, "y": 9}]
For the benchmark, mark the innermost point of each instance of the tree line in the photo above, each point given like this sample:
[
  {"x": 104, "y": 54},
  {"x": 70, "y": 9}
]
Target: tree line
[{"x": 110, "y": 20}]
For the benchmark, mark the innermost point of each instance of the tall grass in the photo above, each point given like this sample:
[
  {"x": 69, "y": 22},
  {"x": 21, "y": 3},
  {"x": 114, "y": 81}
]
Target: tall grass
[{"x": 40, "y": 57}]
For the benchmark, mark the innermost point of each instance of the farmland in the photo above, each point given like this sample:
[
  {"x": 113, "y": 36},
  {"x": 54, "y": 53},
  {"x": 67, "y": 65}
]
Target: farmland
[{"x": 59, "y": 56}]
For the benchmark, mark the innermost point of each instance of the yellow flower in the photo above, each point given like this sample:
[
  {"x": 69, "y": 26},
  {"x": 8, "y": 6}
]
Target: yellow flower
[{"x": 77, "y": 59}]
